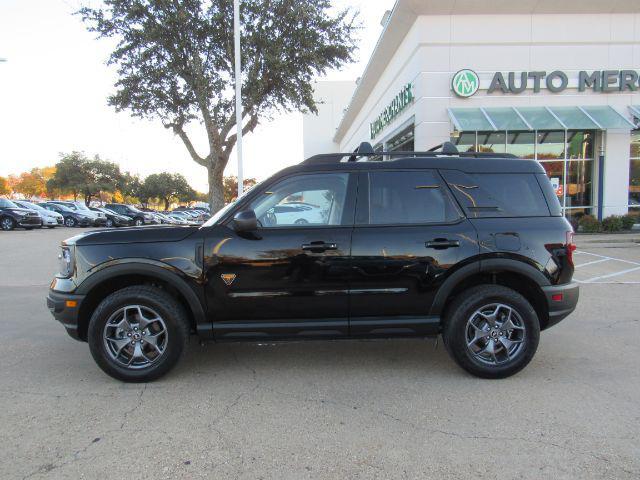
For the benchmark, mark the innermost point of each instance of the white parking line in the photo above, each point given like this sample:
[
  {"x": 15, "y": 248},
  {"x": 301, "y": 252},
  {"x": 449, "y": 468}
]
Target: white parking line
[{"x": 602, "y": 259}]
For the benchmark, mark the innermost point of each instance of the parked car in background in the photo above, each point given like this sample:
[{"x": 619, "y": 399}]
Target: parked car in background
[
  {"x": 139, "y": 217},
  {"x": 187, "y": 219},
  {"x": 178, "y": 219},
  {"x": 99, "y": 218},
  {"x": 12, "y": 216},
  {"x": 50, "y": 219},
  {"x": 113, "y": 219},
  {"x": 297, "y": 213},
  {"x": 72, "y": 218}
]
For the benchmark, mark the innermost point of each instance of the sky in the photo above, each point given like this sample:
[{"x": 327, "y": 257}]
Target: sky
[{"x": 53, "y": 98}]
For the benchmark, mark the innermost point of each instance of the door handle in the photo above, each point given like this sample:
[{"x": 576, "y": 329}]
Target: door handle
[
  {"x": 441, "y": 243},
  {"x": 319, "y": 246}
]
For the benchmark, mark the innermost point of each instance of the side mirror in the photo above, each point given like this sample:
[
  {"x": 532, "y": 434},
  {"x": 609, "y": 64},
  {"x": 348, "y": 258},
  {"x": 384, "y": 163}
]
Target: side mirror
[{"x": 245, "y": 221}]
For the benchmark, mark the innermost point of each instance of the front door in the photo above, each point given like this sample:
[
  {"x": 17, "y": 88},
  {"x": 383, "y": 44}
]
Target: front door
[
  {"x": 408, "y": 233},
  {"x": 289, "y": 278}
]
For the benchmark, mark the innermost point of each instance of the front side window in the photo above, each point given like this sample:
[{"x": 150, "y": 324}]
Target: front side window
[
  {"x": 408, "y": 197},
  {"x": 303, "y": 200}
]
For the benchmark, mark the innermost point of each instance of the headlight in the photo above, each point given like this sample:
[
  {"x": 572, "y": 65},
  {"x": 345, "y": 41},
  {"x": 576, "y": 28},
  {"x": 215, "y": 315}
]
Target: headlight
[{"x": 65, "y": 258}]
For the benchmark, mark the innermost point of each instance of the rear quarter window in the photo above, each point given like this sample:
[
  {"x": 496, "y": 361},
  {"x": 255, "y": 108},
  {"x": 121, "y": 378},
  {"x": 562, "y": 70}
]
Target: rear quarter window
[{"x": 490, "y": 195}]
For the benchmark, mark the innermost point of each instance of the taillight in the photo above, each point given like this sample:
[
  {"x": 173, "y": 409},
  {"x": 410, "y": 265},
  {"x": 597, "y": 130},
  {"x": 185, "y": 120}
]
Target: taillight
[{"x": 570, "y": 246}]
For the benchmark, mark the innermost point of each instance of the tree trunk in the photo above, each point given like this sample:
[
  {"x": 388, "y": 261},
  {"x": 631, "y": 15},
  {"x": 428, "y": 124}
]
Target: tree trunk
[
  {"x": 216, "y": 188},
  {"x": 166, "y": 204}
]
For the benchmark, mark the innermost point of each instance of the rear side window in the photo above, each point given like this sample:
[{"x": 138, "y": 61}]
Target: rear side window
[
  {"x": 484, "y": 195},
  {"x": 409, "y": 197},
  {"x": 550, "y": 195}
]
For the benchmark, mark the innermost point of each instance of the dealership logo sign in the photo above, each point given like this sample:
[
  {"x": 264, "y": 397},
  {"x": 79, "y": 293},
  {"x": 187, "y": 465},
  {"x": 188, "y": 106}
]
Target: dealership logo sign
[
  {"x": 397, "y": 105},
  {"x": 465, "y": 83}
]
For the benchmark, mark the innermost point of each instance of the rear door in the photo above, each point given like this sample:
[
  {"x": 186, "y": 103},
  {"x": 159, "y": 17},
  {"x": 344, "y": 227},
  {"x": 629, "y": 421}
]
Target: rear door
[{"x": 409, "y": 232}]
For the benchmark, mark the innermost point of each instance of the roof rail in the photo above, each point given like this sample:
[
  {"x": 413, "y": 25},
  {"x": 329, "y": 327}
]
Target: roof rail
[{"x": 365, "y": 150}]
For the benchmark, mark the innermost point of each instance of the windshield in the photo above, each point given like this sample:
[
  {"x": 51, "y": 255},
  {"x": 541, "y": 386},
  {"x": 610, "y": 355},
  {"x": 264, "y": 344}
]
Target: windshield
[
  {"x": 64, "y": 208},
  {"x": 81, "y": 206},
  {"x": 4, "y": 203},
  {"x": 32, "y": 206},
  {"x": 224, "y": 210},
  {"x": 133, "y": 209}
]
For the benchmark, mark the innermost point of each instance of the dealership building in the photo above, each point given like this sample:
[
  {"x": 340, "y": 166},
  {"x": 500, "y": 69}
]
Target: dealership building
[{"x": 557, "y": 81}]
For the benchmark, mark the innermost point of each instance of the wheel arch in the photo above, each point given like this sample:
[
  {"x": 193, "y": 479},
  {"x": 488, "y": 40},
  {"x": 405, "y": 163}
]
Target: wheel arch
[
  {"x": 112, "y": 278},
  {"x": 514, "y": 274}
]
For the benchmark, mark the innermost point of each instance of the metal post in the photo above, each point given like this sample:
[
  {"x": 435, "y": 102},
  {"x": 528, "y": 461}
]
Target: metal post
[
  {"x": 238, "y": 73},
  {"x": 601, "y": 179}
]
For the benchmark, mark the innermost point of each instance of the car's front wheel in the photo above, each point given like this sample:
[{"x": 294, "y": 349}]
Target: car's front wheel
[
  {"x": 7, "y": 223},
  {"x": 138, "y": 334},
  {"x": 138, "y": 222},
  {"x": 491, "y": 331},
  {"x": 110, "y": 223},
  {"x": 70, "y": 222}
]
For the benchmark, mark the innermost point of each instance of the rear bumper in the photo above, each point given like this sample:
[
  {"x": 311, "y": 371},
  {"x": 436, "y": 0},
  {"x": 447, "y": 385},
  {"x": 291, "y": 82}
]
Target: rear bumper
[
  {"x": 63, "y": 312},
  {"x": 561, "y": 300}
]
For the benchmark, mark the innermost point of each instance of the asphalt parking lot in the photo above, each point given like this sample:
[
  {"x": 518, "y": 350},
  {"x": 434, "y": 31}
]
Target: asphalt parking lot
[{"x": 337, "y": 410}]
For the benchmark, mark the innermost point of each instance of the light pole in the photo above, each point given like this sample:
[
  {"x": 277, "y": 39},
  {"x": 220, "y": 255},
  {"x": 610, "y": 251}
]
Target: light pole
[{"x": 238, "y": 69}]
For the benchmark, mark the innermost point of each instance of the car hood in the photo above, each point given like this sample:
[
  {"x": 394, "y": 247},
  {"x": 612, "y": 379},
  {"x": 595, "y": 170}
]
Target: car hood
[
  {"x": 21, "y": 211},
  {"x": 147, "y": 234}
]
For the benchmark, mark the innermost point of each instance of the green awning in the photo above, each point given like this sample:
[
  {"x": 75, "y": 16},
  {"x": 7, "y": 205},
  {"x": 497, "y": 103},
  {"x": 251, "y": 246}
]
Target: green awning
[{"x": 539, "y": 118}]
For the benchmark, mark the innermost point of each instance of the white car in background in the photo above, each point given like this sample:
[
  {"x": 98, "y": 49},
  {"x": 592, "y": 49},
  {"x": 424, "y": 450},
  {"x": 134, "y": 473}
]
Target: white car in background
[
  {"x": 50, "y": 219},
  {"x": 297, "y": 213}
]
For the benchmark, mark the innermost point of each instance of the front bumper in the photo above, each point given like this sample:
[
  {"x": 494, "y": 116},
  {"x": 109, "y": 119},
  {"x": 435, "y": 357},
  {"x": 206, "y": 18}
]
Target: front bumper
[
  {"x": 561, "y": 301},
  {"x": 50, "y": 221},
  {"x": 60, "y": 306},
  {"x": 30, "y": 222},
  {"x": 100, "y": 222}
]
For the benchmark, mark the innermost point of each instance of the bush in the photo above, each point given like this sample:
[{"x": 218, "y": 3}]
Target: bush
[
  {"x": 589, "y": 224},
  {"x": 613, "y": 223},
  {"x": 628, "y": 221}
]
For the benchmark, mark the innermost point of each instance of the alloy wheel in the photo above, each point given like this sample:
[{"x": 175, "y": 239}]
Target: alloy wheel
[
  {"x": 6, "y": 224},
  {"x": 495, "y": 334},
  {"x": 135, "y": 336}
]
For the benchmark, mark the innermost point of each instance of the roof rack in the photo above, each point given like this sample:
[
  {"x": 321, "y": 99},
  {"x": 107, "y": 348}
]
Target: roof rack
[{"x": 365, "y": 150}]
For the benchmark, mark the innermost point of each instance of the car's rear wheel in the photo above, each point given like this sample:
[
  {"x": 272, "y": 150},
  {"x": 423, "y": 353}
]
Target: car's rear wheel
[
  {"x": 491, "y": 331},
  {"x": 7, "y": 223},
  {"x": 138, "y": 334},
  {"x": 70, "y": 222}
]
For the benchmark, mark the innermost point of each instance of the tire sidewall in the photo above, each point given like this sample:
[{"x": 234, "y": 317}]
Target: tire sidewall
[
  {"x": 110, "y": 223},
  {"x": 9, "y": 222},
  {"x": 177, "y": 335},
  {"x": 455, "y": 330},
  {"x": 70, "y": 222}
]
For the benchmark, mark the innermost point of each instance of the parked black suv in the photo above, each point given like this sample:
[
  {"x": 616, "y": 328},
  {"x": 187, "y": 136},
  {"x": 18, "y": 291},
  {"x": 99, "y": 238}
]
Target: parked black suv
[
  {"x": 470, "y": 246},
  {"x": 139, "y": 217},
  {"x": 12, "y": 216}
]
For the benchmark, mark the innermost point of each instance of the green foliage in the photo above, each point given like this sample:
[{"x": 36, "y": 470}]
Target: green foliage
[
  {"x": 589, "y": 224},
  {"x": 628, "y": 221},
  {"x": 168, "y": 188},
  {"x": 78, "y": 175},
  {"x": 175, "y": 63},
  {"x": 613, "y": 223}
]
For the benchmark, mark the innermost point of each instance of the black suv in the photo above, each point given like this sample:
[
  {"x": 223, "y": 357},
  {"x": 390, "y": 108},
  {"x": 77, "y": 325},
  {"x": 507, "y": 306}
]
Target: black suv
[
  {"x": 139, "y": 217},
  {"x": 469, "y": 246},
  {"x": 12, "y": 216}
]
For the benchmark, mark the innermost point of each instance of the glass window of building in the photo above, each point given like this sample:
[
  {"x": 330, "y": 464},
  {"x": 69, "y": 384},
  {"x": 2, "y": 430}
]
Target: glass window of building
[
  {"x": 522, "y": 144},
  {"x": 492, "y": 142},
  {"x": 550, "y": 145},
  {"x": 580, "y": 144},
  {"x": 465, "y": 141},
  {"x": 403, "y": 142},
  {"x": 634, "y": 170}
]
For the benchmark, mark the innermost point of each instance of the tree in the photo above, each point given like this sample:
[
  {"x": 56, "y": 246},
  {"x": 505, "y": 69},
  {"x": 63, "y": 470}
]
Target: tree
[
  {"x": 175, "y": 63},
  {"x": 230, "y": 184},
  {"x": 168, "y": 187},
  {"x": 77, "y": 174},
  {"x": 4, "y": 186},
  {"x": 34, "y": 182}
]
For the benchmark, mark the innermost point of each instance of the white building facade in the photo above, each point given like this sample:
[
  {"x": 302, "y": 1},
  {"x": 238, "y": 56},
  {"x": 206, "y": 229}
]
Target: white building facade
[{"x": 555, "y": 81}]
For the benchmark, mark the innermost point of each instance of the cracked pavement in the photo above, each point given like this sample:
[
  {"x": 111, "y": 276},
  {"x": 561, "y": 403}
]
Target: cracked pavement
[{"x": 357, "y": 410}]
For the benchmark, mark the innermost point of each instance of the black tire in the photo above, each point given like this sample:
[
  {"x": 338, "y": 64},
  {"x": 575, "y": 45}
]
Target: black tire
[
  {"x": 173, "y": 315},
  {"x": 109, "y": 223},
  {"x": 301, "y": 221},
  {"x": 138, "y": 222},
  {"x": 7, "y": 223},
  {"x": 70, "y": 222},
  {"x": 456, "y": 330}
]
